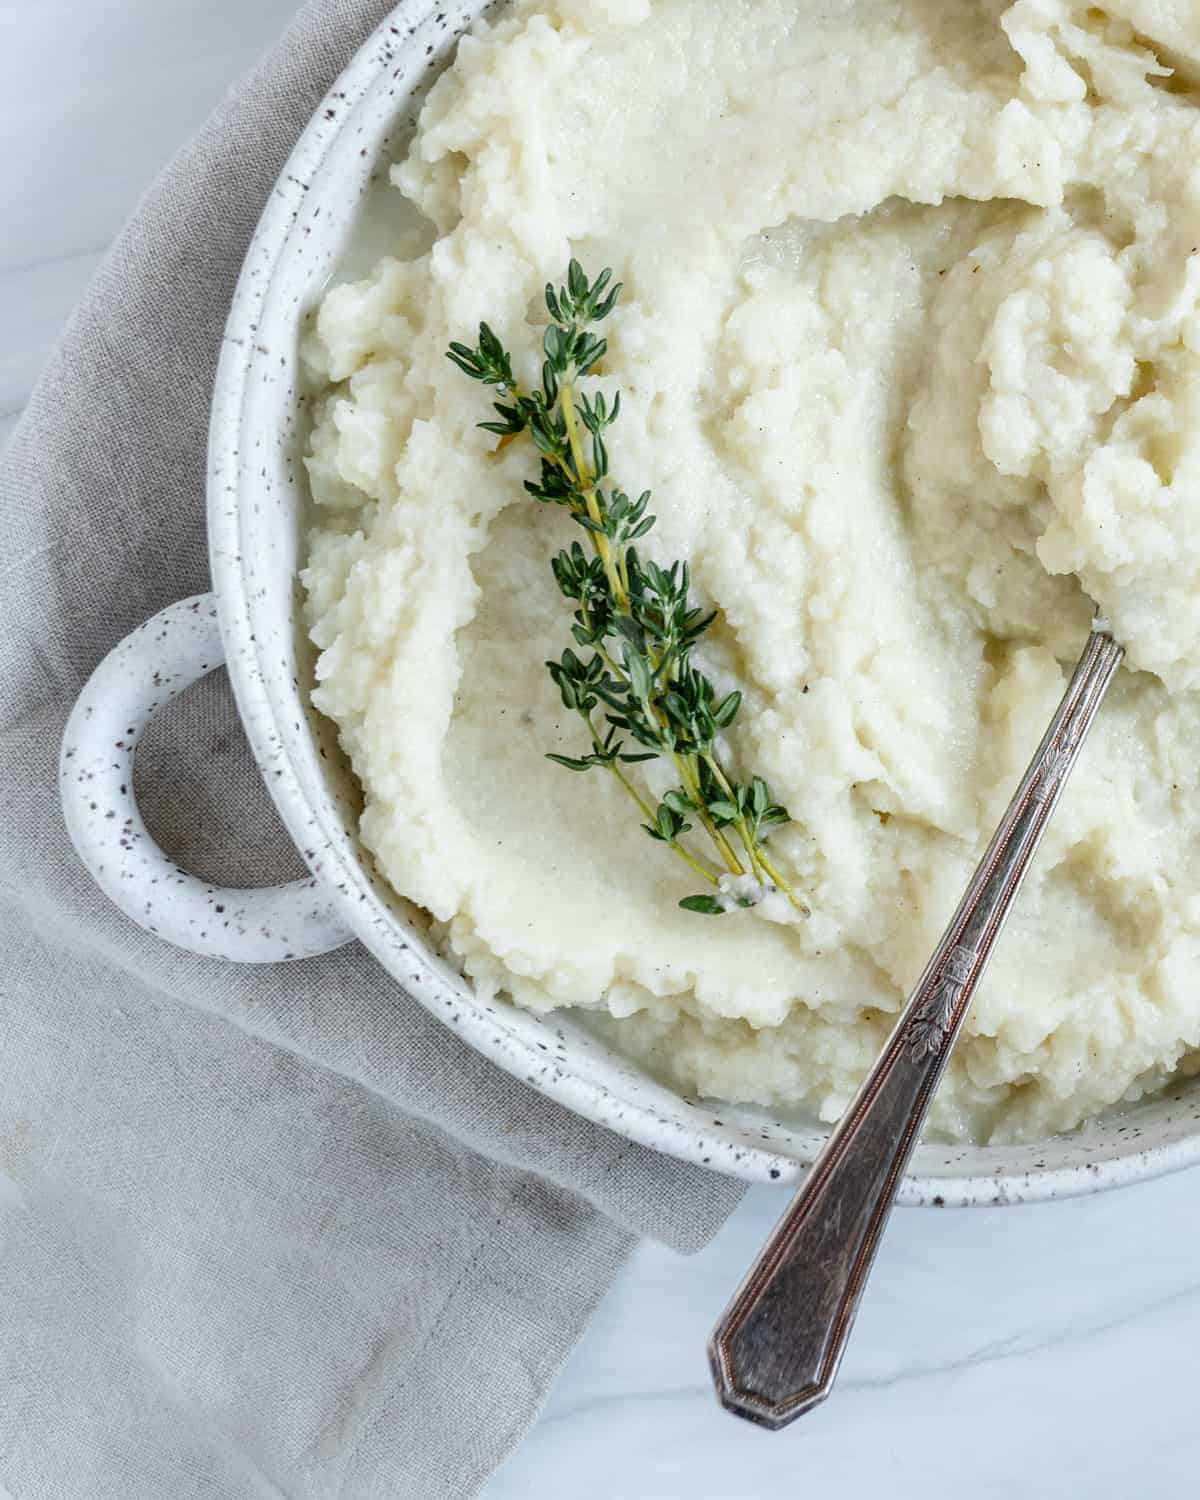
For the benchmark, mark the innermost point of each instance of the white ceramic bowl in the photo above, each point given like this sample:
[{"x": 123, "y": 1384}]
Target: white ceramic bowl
[{"x": 256, "y": 518}]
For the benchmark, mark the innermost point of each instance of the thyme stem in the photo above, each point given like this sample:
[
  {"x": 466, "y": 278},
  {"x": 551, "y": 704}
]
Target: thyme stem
[
  {"x": 748, "y": 842},
  {"x": 566, "y": 399},
  {"x": 635, "y": 617},
  {"x": 648, "y": 812}
]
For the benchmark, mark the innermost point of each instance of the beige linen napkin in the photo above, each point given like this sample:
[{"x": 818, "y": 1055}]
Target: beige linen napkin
[{"x": 263, "y": 1232}]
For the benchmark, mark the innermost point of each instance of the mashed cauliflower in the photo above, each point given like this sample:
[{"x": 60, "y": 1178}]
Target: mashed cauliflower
[{"x": 910, "y": 357}]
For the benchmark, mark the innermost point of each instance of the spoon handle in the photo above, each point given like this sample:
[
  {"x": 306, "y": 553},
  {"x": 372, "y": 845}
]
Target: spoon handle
[{"x": 776, "y": 1350}]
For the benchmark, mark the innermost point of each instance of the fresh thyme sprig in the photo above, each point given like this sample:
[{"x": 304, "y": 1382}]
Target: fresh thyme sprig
[{"x": 635, "y": 618}]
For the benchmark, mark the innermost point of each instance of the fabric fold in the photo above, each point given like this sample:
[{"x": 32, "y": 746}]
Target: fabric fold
[{"x": 264, "y": 1231}]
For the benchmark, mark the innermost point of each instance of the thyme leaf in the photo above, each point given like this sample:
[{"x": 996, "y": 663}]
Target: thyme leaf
[{"x": 638, "y": 686}]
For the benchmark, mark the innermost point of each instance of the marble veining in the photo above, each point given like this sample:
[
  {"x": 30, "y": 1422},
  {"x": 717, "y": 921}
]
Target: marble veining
[
  {"x": 1039, "y": 1353},
  {"x": 1042, "y": 1353}
]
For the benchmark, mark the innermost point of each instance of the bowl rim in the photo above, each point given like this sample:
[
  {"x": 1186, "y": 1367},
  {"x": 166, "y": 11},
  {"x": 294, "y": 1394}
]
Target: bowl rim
[{"x": 412, "y": 39}]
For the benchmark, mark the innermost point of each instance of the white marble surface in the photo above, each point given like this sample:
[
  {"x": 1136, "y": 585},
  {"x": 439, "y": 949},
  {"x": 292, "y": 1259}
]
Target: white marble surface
[{"x": 1033, "y": 1352}]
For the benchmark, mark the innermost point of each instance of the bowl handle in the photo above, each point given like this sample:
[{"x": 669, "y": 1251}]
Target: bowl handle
[{"x": 143, "y": 674}]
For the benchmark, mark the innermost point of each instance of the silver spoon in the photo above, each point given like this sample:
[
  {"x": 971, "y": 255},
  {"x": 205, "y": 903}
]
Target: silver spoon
[{"x": 776, "y": 1350}]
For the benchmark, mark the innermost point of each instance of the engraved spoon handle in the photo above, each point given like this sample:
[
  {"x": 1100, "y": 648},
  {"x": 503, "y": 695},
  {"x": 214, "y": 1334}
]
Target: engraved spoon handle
[{"x": 776, "y": 1350}]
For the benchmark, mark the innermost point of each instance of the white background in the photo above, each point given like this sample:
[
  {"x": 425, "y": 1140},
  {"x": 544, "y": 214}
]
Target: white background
[{"x": 1023, "y": 1352}]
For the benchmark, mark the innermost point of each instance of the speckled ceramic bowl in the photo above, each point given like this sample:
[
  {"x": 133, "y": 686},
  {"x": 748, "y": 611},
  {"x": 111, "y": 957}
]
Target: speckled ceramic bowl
[{"x": 312, "y": 225}]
